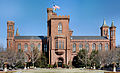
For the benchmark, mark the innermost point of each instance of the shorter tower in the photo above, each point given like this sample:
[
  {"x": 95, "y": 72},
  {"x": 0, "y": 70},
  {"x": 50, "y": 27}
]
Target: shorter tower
[
  {"x": 104, "y": 29},
  {"x": 112, "y": 36},
  {"x": 10, "y": 34}
]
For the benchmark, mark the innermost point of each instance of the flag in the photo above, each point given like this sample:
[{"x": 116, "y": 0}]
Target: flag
[{"x": 55, "y": 7}]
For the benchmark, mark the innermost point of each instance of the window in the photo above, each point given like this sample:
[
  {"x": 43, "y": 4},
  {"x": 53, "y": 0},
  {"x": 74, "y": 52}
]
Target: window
[
  {"x": 59, "y": 28},
  {"x": 107, "y": 32},
  {"x": 106, "y": 46},
  {"x": 45, "y": 48},
  {"x": 104, "y": 32},
  {"x": 9, "y": 44},
  {"x": 9, "y": 34},
  {"x": 9, "y": 27},
  {"x": 32, "y": 47},
  {"x": 56, "y": 44},
  {"x": 80, "y": 46},
  {"x": 19, "y": 46},
  {"x": 87, "y": 46},
  {"x": 25, "y": 47},
  {"x": 74, "y": 47},
  {"x": 113, "y": 33},
  {"x": 93, "y": 46},
  {"x": 60, "y": 44},
  {"x": 39, "y": 47},
  {"x": 100, "y": 47}
]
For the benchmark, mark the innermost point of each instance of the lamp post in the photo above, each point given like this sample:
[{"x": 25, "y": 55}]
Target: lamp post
[
  {"x": 25, "y": 63},
  {"x": 5, "y": 67},
  {"x": 114, "y": 68}
]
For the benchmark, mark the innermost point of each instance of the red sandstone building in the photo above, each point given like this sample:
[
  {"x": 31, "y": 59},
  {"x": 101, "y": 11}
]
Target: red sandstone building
[{"x": 59, "y": 44}]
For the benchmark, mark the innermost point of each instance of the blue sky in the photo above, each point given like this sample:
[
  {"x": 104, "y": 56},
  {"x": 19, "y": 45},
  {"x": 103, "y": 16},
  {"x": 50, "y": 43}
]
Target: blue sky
[{"x": 86, "y": 16}]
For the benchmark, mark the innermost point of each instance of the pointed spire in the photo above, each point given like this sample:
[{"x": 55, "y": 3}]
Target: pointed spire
[
  {"x": 112, "y": 23},
  {"x": 104, "y": 22},
  {"x": 17, "y": 33}
]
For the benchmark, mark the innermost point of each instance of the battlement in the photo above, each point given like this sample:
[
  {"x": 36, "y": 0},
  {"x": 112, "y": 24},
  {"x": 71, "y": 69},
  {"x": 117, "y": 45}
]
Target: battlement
[
  {"x": 53, "y": 15},
  {"x": 10, "y": 22},
  {"x": 58, "y": 17}
]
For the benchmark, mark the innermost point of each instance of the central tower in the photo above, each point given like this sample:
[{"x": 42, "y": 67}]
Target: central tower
[{"x": 58, "y": 37}]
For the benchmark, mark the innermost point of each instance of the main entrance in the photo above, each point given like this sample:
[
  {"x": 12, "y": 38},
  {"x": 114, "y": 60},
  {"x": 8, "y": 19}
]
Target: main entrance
[{"x": 60, "y": 62}]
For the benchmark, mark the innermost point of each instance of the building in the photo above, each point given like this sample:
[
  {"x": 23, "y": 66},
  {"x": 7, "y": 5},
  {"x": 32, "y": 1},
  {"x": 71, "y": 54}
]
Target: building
[{"x": 59, "y": 44}]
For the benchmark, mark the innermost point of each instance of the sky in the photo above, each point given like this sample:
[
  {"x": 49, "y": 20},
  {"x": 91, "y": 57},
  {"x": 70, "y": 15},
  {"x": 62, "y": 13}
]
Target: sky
[{"x": 86, "y": 16}]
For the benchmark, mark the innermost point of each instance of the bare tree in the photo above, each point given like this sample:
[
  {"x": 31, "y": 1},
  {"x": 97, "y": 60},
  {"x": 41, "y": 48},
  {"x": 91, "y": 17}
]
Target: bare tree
[
  {"x": 11, "y": 57},
  {"x": 108, "y": 57},
  {"x": 33, "y": 55}
]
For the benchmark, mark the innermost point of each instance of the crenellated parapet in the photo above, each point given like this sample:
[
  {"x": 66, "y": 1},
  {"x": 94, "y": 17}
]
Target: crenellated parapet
[
  {"x": 59, "y": 17},
  {"x": 10, "y": 22},
  {"x": 53, "y": 15}
]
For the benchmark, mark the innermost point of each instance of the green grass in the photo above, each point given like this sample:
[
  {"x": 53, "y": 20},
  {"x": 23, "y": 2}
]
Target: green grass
[{"x": 76, "y": 70}]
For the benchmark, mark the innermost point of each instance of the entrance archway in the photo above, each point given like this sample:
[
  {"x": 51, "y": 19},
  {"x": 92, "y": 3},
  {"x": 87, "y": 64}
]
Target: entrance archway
[{"x": 60, "y": 62}]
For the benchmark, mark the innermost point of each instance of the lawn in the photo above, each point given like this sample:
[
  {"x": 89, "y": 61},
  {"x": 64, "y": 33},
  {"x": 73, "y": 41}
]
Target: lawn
[{"x": 60, "y": 70}]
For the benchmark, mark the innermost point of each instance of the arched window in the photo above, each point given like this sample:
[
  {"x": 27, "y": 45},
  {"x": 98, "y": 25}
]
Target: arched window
[
  {"x": 19, "y": 46},
  {"x": 59, "y": 28},
  {"x": 39, "y": 47},
  {"x": 104, "y": 31},
  {"x": 106, "y": 46},
  {"x": 9, "y": 34},
  {"x": 74, "y": 47},
  {"x": 87, "y": 46},
  {"x": 107, "y": 32},
  {"x": 93, "y": 46},
  {"x": 25, "y": 47},
  {"x": 80, "y": 46},
  {"x": 100, "y": 47},
  {"x": 32, "y": 47},
  {"x": 112, "y": 33}
]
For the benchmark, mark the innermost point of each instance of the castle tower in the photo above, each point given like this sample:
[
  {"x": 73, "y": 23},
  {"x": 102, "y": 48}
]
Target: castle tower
[
  {"x": 104, "y": 29},
  {"x": 112, "y": 36},
  {"x": 59, "y": 39},
  {"x": 10, "y": 34}
]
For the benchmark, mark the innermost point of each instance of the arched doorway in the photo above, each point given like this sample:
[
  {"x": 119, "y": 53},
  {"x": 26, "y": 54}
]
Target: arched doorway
[{"x": 60, "y": 62}]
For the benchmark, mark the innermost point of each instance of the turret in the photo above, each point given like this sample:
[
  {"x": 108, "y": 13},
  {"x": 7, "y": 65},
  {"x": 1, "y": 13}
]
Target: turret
[
  {"x": 50, "y": 13},
  {"x": 104, "y": 29},
  {"x": 17, "y": 33},
  {"x": 112, "y": 36}
]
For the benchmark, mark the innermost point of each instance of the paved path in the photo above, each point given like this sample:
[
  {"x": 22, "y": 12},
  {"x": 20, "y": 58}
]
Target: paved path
[{"x": 76, "y": 70}]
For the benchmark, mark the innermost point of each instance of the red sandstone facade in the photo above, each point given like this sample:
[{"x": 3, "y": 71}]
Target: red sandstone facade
[{"x": 59, "y": 44}]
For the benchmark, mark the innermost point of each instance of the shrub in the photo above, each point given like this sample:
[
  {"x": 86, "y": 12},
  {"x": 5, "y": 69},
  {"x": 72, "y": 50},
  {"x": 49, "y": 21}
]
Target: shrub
[
  {"x": 19, "y": 64},
  {"x": 50, "y": 66},
  {"x": 42, "y": 62},
  {"x": 65, "y": 66}
]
